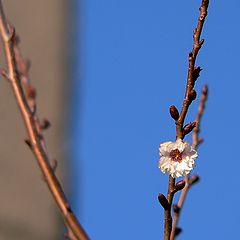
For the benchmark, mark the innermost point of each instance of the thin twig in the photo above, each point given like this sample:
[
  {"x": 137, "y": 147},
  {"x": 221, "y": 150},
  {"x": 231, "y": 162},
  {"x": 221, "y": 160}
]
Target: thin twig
[
  {"x": 189, "y": 181},
  {"x": 30, "y": 118},
  {"x": 195, "y": 135},
  {"x": 190, "y": 95}
]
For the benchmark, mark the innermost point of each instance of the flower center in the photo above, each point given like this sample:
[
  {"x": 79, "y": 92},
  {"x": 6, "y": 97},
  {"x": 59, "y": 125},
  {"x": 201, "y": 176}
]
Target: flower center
[{"x": 176, "y": 155}]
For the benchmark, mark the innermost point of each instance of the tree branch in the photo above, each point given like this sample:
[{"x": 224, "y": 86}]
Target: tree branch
[
  {"x": 193, "y": 71},
  {"x": 25, "y": 97},
  {"x": 190, "y": 181},
  {"x": 190, "y": 95}
]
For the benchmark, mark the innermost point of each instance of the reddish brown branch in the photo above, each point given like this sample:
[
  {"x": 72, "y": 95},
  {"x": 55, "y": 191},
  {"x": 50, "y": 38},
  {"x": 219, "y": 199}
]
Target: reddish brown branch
[
  {"x": 195, "y": 136},
  {"x": 193, "y": 71},
  {"x": 190, "y": 95},
  {"x": 25, "y": 97},
  {"x": 167, "y": 211},
  {"x": 190, "y": 181}
]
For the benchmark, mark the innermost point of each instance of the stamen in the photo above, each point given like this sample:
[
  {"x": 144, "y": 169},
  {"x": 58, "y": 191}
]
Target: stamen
[{"x": 176, "y": 155}]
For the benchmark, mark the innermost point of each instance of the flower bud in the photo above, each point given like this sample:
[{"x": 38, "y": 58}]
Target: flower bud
[
  {"x": 194, "y": 179},
  {"x": 192, "y": 95},
  {"x": 196, "y": 73},
  {"x": 179, "y": 185},
  {"x": 174, "y": 112},
  {"x": 163, "y": 201},
  {"x": 189, "y": 127}
]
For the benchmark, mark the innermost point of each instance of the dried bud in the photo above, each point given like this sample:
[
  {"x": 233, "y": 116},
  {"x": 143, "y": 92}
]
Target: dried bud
[
  {"x": 163, "y": 201},
  {"x": 190, "y": 55},
  {"x": 192, "y": 95},
  {"x": 193, "y": 179},
  {"x": 176, "y": 208},
  {"x": 174, "y": 112},
  {"x": 196, "y": 73},
  {"x": 179, "y": 185},
  {"x": 45, "y": 124},
  {"x": 178, "y": 231},
  {"x": 189, "y": 127},
  {"x": 31, "y": 92}
]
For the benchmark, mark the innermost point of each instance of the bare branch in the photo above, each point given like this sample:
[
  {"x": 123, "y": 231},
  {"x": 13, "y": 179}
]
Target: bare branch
[
  {"x": 25, "y": 96},
  {"x": 193, "y": 71},
  {"x": 190, "y": 180},
  {"x": 190, "y": 95}
]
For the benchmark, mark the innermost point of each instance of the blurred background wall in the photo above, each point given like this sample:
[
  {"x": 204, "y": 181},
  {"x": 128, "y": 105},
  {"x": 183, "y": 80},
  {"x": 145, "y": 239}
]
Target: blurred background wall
[{"x": 27, "y": 210}]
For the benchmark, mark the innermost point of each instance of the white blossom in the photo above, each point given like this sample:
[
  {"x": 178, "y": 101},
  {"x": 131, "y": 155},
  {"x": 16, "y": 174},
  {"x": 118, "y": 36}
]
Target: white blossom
[{"x": 177, "y": 158}]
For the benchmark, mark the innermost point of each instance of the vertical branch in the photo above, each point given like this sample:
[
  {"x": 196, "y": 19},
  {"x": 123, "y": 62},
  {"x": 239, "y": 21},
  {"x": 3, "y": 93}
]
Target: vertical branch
[
  {"x": 190, "y": 181},
  {"x": 190, "y": 95},
  {"x": 167, "y": 212},
  {"x": 26, "y": 104}
]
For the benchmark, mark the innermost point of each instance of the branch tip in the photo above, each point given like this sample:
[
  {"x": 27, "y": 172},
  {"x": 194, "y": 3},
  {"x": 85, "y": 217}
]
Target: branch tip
[{"x": 194, "y": 179}]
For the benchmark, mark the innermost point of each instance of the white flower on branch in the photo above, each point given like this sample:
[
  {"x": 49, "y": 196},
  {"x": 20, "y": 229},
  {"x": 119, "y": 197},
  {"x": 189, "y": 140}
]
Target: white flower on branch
[{"x": 177, "y": 158}]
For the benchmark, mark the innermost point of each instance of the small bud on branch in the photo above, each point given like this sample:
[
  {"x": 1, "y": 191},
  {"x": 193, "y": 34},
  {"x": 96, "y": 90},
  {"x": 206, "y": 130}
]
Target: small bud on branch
[
  {"x": 179, "y": 185},
  {"x": 189, "y": 127},
  {"x": 163, "y": 201},
  {"x": 192, "y": 95},
  {"x": 196, "y": 73},
  {"x": 178, "y": 231},
  {"x": 174, "y": 112},
  {"x": 28, "y": 142}
]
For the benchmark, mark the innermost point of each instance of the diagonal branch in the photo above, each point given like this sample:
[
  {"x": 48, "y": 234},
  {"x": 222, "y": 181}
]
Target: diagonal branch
[
  {"x": 190, "y": 181},
  {"x": 28, "y": 111},
  {"x": 193, "y": 71}
]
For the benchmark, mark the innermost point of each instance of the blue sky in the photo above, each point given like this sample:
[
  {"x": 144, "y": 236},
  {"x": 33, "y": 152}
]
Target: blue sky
[{"x": 129, "y": 66}]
